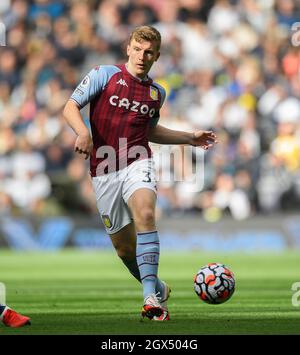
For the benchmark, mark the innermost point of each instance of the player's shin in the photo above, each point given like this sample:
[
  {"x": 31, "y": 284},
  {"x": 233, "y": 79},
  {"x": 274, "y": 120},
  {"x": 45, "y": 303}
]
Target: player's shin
[{"x": 147, "y": 254}]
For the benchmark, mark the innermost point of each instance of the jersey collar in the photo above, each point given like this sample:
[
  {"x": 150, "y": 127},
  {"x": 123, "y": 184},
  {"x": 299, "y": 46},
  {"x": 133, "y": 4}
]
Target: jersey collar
[{"x": 146, "y": 81}]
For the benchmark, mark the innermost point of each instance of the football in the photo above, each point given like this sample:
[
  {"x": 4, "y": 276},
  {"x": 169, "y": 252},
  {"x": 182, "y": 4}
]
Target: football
[{"x": 214, "y": 283}]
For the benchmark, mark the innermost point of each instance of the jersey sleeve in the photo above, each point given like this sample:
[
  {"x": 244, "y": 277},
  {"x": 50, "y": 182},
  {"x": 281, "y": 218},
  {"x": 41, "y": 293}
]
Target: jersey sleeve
[
  {"x": 155, "y": 118},
  {"x": 93, "y": 84}
]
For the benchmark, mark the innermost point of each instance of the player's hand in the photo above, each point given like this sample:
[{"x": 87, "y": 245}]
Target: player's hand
[
  {"x": 204, "y": 139},
  {"x": 84, "y": 145}
]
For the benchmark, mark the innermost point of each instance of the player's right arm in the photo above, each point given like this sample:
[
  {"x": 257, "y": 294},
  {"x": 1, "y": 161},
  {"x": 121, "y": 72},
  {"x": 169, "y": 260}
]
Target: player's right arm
[
  {"x": 92, "y": 85},
  {"x": 83, "y": 143}
]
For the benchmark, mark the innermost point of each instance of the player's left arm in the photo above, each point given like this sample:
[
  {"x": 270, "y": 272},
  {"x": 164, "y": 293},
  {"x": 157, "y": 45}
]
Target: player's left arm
[{"x": 162, "y": 135}]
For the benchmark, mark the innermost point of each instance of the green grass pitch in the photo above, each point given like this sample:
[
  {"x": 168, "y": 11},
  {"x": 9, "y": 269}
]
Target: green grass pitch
[{"x": 91, "y": 292}]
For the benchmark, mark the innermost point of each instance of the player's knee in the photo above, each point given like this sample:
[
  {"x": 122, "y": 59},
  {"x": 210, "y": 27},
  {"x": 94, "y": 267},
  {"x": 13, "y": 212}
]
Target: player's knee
[{"x": 146, "y": 217}]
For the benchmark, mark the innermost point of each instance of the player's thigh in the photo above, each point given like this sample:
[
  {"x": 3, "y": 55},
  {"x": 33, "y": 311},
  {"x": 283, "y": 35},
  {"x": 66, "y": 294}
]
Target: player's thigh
[
  {"x": 124, "y": 241},
  {"x": 139, "y": 189},
  {"x": 142, "y": 200}
]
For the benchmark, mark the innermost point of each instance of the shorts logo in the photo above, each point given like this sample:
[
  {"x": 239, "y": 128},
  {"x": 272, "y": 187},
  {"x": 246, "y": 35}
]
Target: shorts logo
[
  {"x": 153, "y": 93},
  {"x": 106, "y": 221}
]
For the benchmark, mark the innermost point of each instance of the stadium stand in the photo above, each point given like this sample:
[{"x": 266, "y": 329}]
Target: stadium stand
[{"x": 227, "y": 65}]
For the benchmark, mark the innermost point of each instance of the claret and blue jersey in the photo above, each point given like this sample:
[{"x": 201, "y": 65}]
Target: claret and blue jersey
[{"x": 121, "y": 106}]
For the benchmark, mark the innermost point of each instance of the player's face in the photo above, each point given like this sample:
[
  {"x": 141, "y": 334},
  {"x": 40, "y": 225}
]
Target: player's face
[{"x": 141, "y": 55}]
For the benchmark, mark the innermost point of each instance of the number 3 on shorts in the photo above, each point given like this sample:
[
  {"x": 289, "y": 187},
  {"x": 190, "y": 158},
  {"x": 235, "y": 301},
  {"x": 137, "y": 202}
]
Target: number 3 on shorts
[{"x": 147, "y": 177}]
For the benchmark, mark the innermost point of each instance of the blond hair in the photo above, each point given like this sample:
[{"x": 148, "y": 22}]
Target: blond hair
[{"x": 146, "y": 33}]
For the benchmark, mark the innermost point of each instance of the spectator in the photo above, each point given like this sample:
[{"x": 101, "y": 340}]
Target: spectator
[{"x": 226, "y": 65}]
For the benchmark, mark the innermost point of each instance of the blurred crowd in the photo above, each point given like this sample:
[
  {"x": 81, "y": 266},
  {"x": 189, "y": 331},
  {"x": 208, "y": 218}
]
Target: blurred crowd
[{"x": 226, "y": 65}]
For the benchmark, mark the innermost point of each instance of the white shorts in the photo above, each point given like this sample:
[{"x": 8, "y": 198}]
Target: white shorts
[{"x": 114, "y": 190}]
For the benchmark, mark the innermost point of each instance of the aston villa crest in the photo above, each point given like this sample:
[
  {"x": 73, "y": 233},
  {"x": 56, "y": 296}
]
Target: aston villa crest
[{"x": 153, "y": 93}]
